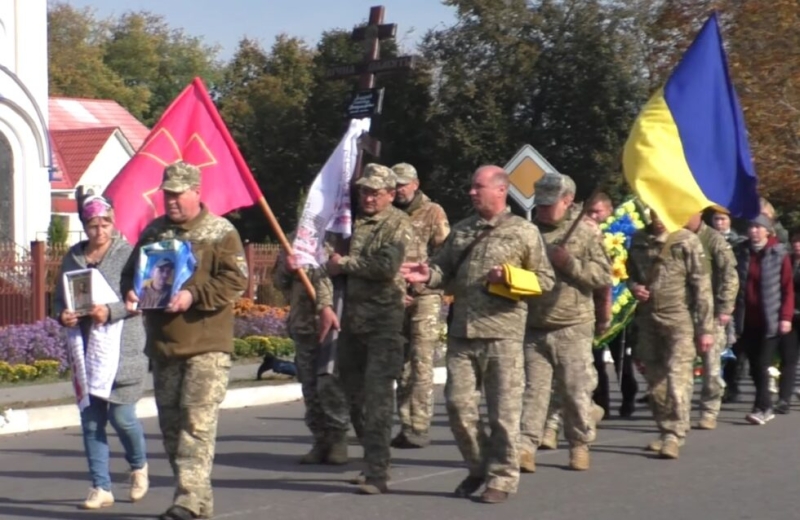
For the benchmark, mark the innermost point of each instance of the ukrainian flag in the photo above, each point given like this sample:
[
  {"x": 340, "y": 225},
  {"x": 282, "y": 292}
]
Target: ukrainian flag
[{"x": 688, "y": 148}]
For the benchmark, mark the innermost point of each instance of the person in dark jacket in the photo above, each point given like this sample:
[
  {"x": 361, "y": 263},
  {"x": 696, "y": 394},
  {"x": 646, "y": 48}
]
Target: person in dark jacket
[
  {"x": 764, "y": 310},
  {"x": 788, "y": 348}
]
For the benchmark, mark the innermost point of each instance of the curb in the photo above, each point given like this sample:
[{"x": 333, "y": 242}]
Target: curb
[{"x": 65, "y": 416}]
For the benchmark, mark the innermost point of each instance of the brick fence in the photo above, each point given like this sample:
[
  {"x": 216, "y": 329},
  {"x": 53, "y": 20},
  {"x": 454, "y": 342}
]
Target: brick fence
[{"x": 28, "y": 279}]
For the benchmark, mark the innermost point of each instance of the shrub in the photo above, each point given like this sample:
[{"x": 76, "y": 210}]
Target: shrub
[
  {"x": 26, "y": 344},
  {"x": 277, "y": 346},
  {"x": 22, "y": 372},
  {"x": 241, "y": 349}
]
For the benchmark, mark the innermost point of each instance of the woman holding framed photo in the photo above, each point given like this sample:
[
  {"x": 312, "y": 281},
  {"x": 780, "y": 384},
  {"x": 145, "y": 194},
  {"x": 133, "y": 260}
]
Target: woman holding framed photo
[{"x": 106, "y": 252}]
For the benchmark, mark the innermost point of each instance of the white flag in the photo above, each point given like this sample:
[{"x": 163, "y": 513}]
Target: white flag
[{"x": 328, "y": 204}]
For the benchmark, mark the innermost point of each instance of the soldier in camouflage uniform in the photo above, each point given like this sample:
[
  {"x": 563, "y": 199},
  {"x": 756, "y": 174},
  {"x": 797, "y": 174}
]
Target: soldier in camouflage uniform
[
  {"x": 561, "y": 326},
  {"x": 484, "y": 349},
  {"x": 675, "y": 322},
  {"x": 370, "y": 347},
  {"x": 190, "y": 342},
  {"x": 721, "y": 263},
  {"x": 327, "y": 412},
  {"x": 423, "y": 306}
]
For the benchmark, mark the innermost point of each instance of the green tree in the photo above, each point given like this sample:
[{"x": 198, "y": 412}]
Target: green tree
[
  {"x": 563, "y": 76},
  {"x": 57, "y": 232},
  {"x": 137, "y": 59},
  {"x": 151, "y": 56}
]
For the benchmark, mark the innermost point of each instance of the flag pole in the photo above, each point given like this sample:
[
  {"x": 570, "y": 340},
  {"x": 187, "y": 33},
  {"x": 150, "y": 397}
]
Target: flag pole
[{"x": 276, "y": 227}]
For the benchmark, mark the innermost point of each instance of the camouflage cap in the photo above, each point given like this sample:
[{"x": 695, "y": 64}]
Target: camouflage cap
[
  {"x": 552, "y": 187},
  {"x": 406, "y": 173},
  {"x": 377, "y": 176},
  {"x": 180, "y": 176}
]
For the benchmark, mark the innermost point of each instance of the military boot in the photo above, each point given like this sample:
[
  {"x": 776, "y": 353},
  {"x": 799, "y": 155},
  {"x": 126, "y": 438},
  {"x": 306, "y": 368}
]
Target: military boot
[
  {"x": 670, "y": 448},
  {"x": 549, "y": 440},
  {"x": 579, "y": 457},
  {"x": 707, "y": 422},
  {"x": 656, "y": 445},
  {"x": 318, "y": 453},
  {"x": 337, "y": 451},
  {"x": 527, "y": 461}
]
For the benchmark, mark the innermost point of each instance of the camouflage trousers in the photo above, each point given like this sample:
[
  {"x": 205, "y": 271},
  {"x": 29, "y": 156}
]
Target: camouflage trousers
[
  {"x": 497, "y": 367},
  {"x": 327, "y": 409},
  {"x": 713, "y": 385},
  {"x": 188, "y": 393},
  {"x": 415, "y": 387},
  {"x": 668, "y": 355},
  {"x": 369, "y": 364},
  {"x": 559, "y": 363}
]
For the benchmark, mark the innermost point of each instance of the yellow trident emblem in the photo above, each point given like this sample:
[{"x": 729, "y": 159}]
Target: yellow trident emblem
[{"x": 164, "y": 149}]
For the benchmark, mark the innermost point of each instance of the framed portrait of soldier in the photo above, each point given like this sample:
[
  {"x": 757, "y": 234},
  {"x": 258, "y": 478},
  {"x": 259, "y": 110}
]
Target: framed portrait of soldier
[
  {"x": 163, "y": 269},
  {"x": 78, "y": 292},
  {"x": 159, "y": 279}
]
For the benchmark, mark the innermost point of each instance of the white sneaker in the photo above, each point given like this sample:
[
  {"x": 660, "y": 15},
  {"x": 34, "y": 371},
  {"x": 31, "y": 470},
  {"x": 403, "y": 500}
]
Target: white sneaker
[
  {"x": 98, "y": 499},
  {"x": 608, "y": 359},
  {"x": 140, "y": 483}
]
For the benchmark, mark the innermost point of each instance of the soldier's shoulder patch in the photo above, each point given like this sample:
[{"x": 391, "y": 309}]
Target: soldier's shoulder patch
[{"x": 241, "y": 264}]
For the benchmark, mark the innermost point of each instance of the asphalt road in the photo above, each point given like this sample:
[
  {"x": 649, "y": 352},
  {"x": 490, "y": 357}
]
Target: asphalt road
[{"x": 738, "y": 471}]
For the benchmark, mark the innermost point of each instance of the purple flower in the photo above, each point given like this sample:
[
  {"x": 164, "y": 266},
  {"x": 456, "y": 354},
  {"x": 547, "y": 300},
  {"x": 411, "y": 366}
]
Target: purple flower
[
  {"x": 266, "y": 325},
  {"x": 24, "y": 344}
]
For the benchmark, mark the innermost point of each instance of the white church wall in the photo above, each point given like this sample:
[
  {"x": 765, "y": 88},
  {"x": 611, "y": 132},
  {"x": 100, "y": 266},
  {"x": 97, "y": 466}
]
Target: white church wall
[{"x": 23, "y": 51}]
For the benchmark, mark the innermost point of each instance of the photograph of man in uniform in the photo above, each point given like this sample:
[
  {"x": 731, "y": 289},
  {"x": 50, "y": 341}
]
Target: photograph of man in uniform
[
  {"x": 81, "y": 295},
  {"x": 158, "y": 292}
]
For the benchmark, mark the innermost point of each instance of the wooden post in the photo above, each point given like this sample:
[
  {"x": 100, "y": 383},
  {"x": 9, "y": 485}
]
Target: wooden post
[
  {"x": 38, "y": 276},
  {"x": 249, "y": 256}
]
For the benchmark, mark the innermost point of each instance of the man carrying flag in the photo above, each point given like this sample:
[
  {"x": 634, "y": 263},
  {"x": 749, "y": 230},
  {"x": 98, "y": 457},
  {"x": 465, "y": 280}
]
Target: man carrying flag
[{"x": 687, "y": 151}]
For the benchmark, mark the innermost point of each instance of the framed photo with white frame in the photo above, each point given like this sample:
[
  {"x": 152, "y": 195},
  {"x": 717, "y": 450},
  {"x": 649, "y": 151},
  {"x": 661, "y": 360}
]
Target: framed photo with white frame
[{"x": 78, "y": 291}]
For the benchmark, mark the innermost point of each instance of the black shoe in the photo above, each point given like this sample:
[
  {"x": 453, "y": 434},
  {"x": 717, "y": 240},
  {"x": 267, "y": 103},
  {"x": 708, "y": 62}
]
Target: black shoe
[
  {"x": 782, "y": 407},
  {"x": 730, "y": 397},
  {"x": 627, "y": 409},
  {"x": 411, "y": 441},
  {"x": 399, "y": 441},
  {"x": 178, "y": 513},
  {"x": 468, "y": 486},
  {"x": 645, "y": 399}
]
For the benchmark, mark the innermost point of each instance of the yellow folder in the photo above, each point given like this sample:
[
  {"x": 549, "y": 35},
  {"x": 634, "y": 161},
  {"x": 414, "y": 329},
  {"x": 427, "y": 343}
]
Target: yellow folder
[{"x": 518, "y": 284}]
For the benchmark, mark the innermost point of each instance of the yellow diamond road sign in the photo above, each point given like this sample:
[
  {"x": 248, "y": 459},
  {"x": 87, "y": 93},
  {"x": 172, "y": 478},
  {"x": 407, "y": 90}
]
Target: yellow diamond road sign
[{"x": 527, "y": 167}]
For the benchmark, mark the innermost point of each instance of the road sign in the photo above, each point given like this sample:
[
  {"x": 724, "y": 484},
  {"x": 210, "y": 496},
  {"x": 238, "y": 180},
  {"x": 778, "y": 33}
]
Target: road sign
[
  {"x": 366, "y": 103},
  {"x": 524, "y": 169}
]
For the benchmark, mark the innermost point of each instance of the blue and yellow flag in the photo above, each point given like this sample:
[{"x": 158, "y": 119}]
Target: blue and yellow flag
[{"x": 688, "y": 148}]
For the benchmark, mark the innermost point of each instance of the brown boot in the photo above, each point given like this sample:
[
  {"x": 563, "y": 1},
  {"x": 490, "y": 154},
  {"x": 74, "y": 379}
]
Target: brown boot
[
  {"x": 337, "y": 451},
  {"x": 527, "y": 461},
  {"x": 707, "y": 422},
  {"x": 318, "y": 453},
  {"x": 549, "y": 440},
  {"x": 373, "y": 486},
  {"x": 579, "y": 458},
  {"x": 670, "y": 448},
  {"x": 493, "y": 496}
]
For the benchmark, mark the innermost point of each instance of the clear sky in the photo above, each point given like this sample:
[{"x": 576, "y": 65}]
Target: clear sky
[{"x": 225, "y": 22}]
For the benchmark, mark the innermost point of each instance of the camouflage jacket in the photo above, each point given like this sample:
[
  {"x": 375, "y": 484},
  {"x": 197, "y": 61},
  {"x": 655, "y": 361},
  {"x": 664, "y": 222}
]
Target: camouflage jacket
[
  {"x": 476, "y": 312},
  {"x": 302, "y": 319},
  {"x": 673, "y": 268},
  {"x": 722, "y": 263},
  {"x": 375, "y": 289},
  {"x": 219, "y": 279},
  {"x": 430, "y": 228},
  {"x": 571, "y": 301}
]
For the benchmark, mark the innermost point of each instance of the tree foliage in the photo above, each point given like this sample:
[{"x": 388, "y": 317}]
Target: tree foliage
[
  {"x": 566, "y": 76},
  {"x": 136, "y": 59}
]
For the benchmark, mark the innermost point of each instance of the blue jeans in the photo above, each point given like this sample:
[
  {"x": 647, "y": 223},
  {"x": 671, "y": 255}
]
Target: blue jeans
[{"x": 129, "y": 429}]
